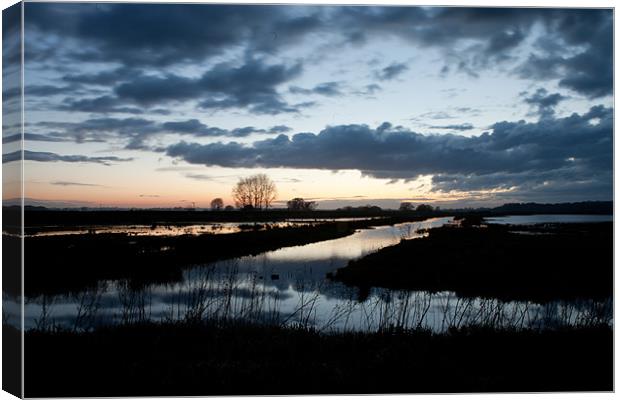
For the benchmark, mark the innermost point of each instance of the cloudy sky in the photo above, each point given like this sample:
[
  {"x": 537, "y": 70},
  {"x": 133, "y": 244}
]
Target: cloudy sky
[{"x": 164, "y": 105}]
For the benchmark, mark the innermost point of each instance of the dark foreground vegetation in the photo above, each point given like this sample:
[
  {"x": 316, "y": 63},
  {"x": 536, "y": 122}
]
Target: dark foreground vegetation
[
  {"x": 544, "y": 262},
  {"x": 59, "y": 264},
  {"x": 237, "y": 359}
]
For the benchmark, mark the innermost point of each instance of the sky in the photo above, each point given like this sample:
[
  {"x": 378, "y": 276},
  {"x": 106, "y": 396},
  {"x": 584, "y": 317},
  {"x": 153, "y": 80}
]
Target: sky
[{"x": 168, "y": 105}]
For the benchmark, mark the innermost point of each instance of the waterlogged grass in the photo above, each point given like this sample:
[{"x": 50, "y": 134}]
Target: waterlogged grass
[
  {"x": 236, "y": 359},
  {"x": 558, "y": 261}
]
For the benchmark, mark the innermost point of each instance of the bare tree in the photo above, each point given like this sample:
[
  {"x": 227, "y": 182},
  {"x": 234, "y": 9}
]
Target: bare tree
[
  {"x": 217, "y": 204},
  {"x": 256, "y": 191}
]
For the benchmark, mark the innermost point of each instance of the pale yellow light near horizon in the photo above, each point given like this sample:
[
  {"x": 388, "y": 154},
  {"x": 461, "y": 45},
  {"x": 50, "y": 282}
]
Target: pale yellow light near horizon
[{"x": 148, "y": 184}]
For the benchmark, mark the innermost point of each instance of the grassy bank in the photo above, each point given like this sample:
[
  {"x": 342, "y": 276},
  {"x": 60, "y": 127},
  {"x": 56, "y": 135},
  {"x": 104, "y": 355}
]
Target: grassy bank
[
  {"x": 185, "y": 359},
  {"x": 540, "y": 263},
  {"x": 57, "y": 264}
]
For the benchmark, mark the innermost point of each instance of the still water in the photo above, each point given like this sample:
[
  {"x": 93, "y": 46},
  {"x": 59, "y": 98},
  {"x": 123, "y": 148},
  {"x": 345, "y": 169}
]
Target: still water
[
  {"x": 188, "y": 229},
  {"x": 289, "y": 286}
]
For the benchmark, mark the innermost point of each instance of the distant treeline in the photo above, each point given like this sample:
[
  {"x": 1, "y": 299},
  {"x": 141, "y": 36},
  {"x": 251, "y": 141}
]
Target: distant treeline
[
  {"x": 584, "y": 207},
  {"x": 41, "y": 216}
]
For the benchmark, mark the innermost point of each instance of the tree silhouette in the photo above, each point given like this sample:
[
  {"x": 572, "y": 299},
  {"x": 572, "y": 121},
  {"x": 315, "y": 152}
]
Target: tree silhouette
[
  {"x": 299, "y": 204},
  {"x": 424, "y": 208},
  {"x": 406, "y": 206},
  {"x": 217, "y": 204},
  {"x": 256, "y": 191}
]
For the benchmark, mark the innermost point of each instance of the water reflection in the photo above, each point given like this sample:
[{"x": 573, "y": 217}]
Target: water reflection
[
  {"x": 250, "y": 300},
  {"x": 288, "y": 286},
  {"x": 176, "y": 230}
]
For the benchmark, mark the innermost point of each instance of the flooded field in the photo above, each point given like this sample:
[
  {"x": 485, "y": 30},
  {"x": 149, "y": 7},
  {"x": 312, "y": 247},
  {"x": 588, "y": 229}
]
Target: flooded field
[
  {"x": 188, "y": 229},
  {"x": 290, "y": 286}
]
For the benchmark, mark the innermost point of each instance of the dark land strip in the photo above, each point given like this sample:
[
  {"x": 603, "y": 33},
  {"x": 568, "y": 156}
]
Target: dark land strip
[{"x": 539, "y": 263}]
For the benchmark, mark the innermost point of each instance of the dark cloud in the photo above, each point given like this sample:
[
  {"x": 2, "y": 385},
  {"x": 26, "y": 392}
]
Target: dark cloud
[
  {"x": 328, "y": 89},
  {"x": 371, "y": 89},
  {"x": 66, "y": 183},
  {"x": 559, "y": 185},
  {"x": 575, "y": 47},
  {"x": 280, "y": 129},
  {"x": 520, "y": 150},
  {"x": 168, "y": 33},
  {"x": 299, "y": 90},
  {"x": 33, "y": 137},
  {"x": 48, "y": 90},
  {"x": 193, "y": 127},
  {"x": 455, "y": 127},
  {"x": 11, "y": 51},
  {"x": 245, "y": 131},
  {"x": 391, "y": 71},
  {"x": 503, "y": 41},
  {"x": 251, "y": 85},
  {"x": 103, "y": 104},
  {"x": 468, "y": 110},
  {"x": 104, "y": 78},
  {"x": 198, "y": 129},
  {"x": 150, "y": 90},
  {"x": 545, "y": 102},
  {"x": 43, "y": 156},
  {"x": 242, "y": 132},
  {"x": 583, "y": 39},
  {"x": 325, "y": 89},
  {"x": 588, "y": 72},
  {"x": 540, "y": 67},
  {"x": 135, "y": 132},
  {"x": 11, "y": 94},
  {"x": 200, "y": 177},
  {"x": 11, "y": 17},
  {"x": 435, "y": 115},
  {"x": 105, "y": 129},
  {"x": 491, "y": 32}
]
